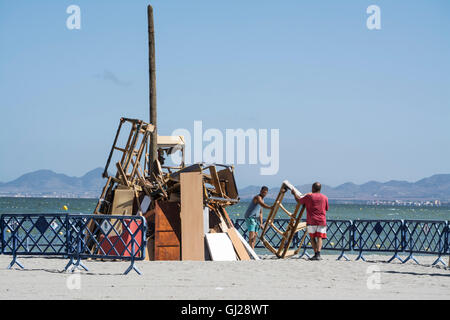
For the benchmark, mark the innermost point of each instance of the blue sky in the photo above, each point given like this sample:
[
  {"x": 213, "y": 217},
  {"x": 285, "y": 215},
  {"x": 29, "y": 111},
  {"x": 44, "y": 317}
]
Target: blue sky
[{"x": 351, "y": 104}]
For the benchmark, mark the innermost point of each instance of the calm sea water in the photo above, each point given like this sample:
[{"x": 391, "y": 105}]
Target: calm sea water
[{"x": 337, "y": 211}]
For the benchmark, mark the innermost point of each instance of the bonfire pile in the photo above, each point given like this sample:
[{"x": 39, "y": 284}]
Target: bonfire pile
[{"x": 184, "y": 206}]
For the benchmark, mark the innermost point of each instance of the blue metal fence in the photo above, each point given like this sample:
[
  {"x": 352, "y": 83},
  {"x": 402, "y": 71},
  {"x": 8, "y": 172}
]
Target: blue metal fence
[
  {"x": 378, "y": 236},
  {"x": 422, "y": 236},
  {"x": 76, "y": 237},
  {"x": 339, "y": 234},
  {"x": 384, "y": 236},
  {"x": 34, "y": 234},
  {"x": 79, "y": 237}
]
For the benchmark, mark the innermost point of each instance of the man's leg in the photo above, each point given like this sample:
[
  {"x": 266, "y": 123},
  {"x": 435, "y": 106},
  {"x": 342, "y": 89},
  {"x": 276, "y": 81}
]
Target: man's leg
[
  {"x": 314, "y": 244},
  {"x": 318, "y": 247},
  {"x": 319, "y": 244},
  {"x": 251, "y": 239}
]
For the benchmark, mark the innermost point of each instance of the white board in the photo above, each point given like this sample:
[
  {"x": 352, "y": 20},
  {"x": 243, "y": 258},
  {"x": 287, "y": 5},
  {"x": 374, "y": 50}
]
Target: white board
[
  {"x": 145, "y": 204},
  {"x": 250, "y": 251},
  {"x": 205, "y": 220},
  {"x": 220, "y": 247}
]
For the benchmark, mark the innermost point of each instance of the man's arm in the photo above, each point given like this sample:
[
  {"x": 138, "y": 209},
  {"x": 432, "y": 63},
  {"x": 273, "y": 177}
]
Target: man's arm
[
  {"x": 261, "y": 217},
  {"x": 261, "y": 202},
  {"x": 300, "y": 199}
]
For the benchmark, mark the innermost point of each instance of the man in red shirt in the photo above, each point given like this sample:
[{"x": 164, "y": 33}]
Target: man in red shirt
[{"x": 316, "y": 208}]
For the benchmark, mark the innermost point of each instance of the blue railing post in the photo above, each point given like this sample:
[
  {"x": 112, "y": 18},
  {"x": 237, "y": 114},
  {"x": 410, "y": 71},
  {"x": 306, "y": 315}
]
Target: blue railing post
[
  {"x": 447, "y": 242},
  {"x": 2, "y": 231},
  {"x": 349, "y": 243},
  {"x": 79, "y": 248},
  {"x": 14, "y": 251},
  {"x": 304, "y": 253},
  {"x": 68, "y": 238},
  {"x": 360, "y": 255},
  {"x": 442, "y": 246},
  {"x": 133, "y": 243},
  {"x": 132, "y": 265},
  {"x": 70, "y": 252},
  {"x": 409, "y": 242},
  {"x": 398, "y": 246}
]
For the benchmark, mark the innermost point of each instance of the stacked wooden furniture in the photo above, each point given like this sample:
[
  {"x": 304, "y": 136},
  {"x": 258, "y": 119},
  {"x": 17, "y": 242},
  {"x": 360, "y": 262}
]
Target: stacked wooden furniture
[{"x": 185, "y": 207}]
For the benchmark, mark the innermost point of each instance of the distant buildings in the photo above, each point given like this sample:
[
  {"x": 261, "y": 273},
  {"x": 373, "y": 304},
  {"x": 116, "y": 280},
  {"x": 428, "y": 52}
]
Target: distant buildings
[
  {"x": 62, "y": 195},
  {"x": 424, "y": 203}
]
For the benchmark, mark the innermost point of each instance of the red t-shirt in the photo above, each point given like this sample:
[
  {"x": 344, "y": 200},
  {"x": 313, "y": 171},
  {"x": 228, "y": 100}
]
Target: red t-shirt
[{"x": 316, "y": 208}]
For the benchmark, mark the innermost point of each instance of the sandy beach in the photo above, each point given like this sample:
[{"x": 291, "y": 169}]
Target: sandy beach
[{"x": 266, "y": 279}]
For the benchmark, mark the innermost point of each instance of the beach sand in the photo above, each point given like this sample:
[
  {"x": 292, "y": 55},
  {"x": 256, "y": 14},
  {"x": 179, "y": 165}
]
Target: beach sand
[{"x": 266, "y": 279}]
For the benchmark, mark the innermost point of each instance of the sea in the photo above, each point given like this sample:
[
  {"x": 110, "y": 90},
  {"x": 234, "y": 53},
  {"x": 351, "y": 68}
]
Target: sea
[{"x": 337, "y": 211}]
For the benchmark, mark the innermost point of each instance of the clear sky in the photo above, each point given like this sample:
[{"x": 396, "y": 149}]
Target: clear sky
[{"x": 351, "y": 104}]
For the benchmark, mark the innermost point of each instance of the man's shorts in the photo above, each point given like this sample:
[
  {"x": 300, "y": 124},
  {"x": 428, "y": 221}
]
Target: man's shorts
[
  {"x": 317, "y": 231},
  {"x": 252, "y": 224}
]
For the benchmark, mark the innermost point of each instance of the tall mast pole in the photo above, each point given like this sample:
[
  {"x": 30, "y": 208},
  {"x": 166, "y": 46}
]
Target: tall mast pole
[{"x": 153, "y": 152}]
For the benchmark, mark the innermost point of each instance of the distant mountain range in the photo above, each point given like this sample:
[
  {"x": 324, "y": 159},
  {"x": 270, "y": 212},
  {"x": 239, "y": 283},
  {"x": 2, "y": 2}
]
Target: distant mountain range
[
  {"x": 46, "y": 183},
  {"x": 436, "y": 187}
]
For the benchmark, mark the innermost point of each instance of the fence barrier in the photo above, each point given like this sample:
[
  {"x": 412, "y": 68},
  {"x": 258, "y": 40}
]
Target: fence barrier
[
  {"x": 378, "y": 236},
  {"x": 424, "y": 237},
  {"x": 78, "y": 237},
  {"x": 74, "y": 236},
  {"x": 387, "y": 236}
]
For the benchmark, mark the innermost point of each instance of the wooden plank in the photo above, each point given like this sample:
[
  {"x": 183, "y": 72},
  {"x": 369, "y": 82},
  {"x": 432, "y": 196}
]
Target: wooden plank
[
  {"x": 220, "y": 247},
  {"x": 227, "y": 217},
  {"x": 238, "y": 245},
  {"x": 249, "y": 249},
  {"x": 122, "y": 174},
  {"x": 167, "y": 231},
  {"x": 192, "y": 231}
]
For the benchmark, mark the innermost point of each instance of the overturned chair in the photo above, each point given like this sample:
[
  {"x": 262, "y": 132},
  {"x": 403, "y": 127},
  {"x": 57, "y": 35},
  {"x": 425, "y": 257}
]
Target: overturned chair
[{"x": 295, "y": 225}]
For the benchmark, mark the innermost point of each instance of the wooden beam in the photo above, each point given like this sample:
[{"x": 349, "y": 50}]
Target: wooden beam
[
  {"x": 192, "y": 231},
  {"x": 152, "y": 90},
  {"x": 122, "y": 174},
  {"x": 238, "y": 245}
]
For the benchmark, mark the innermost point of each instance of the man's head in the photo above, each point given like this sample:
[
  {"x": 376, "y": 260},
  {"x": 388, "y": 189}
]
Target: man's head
[
  {"x": 316, "y": 187},
  {"x": 264, "y": 191}
]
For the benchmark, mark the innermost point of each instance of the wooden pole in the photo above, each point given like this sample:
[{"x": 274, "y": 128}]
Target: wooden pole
[{"x": 153, "y": 152}]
